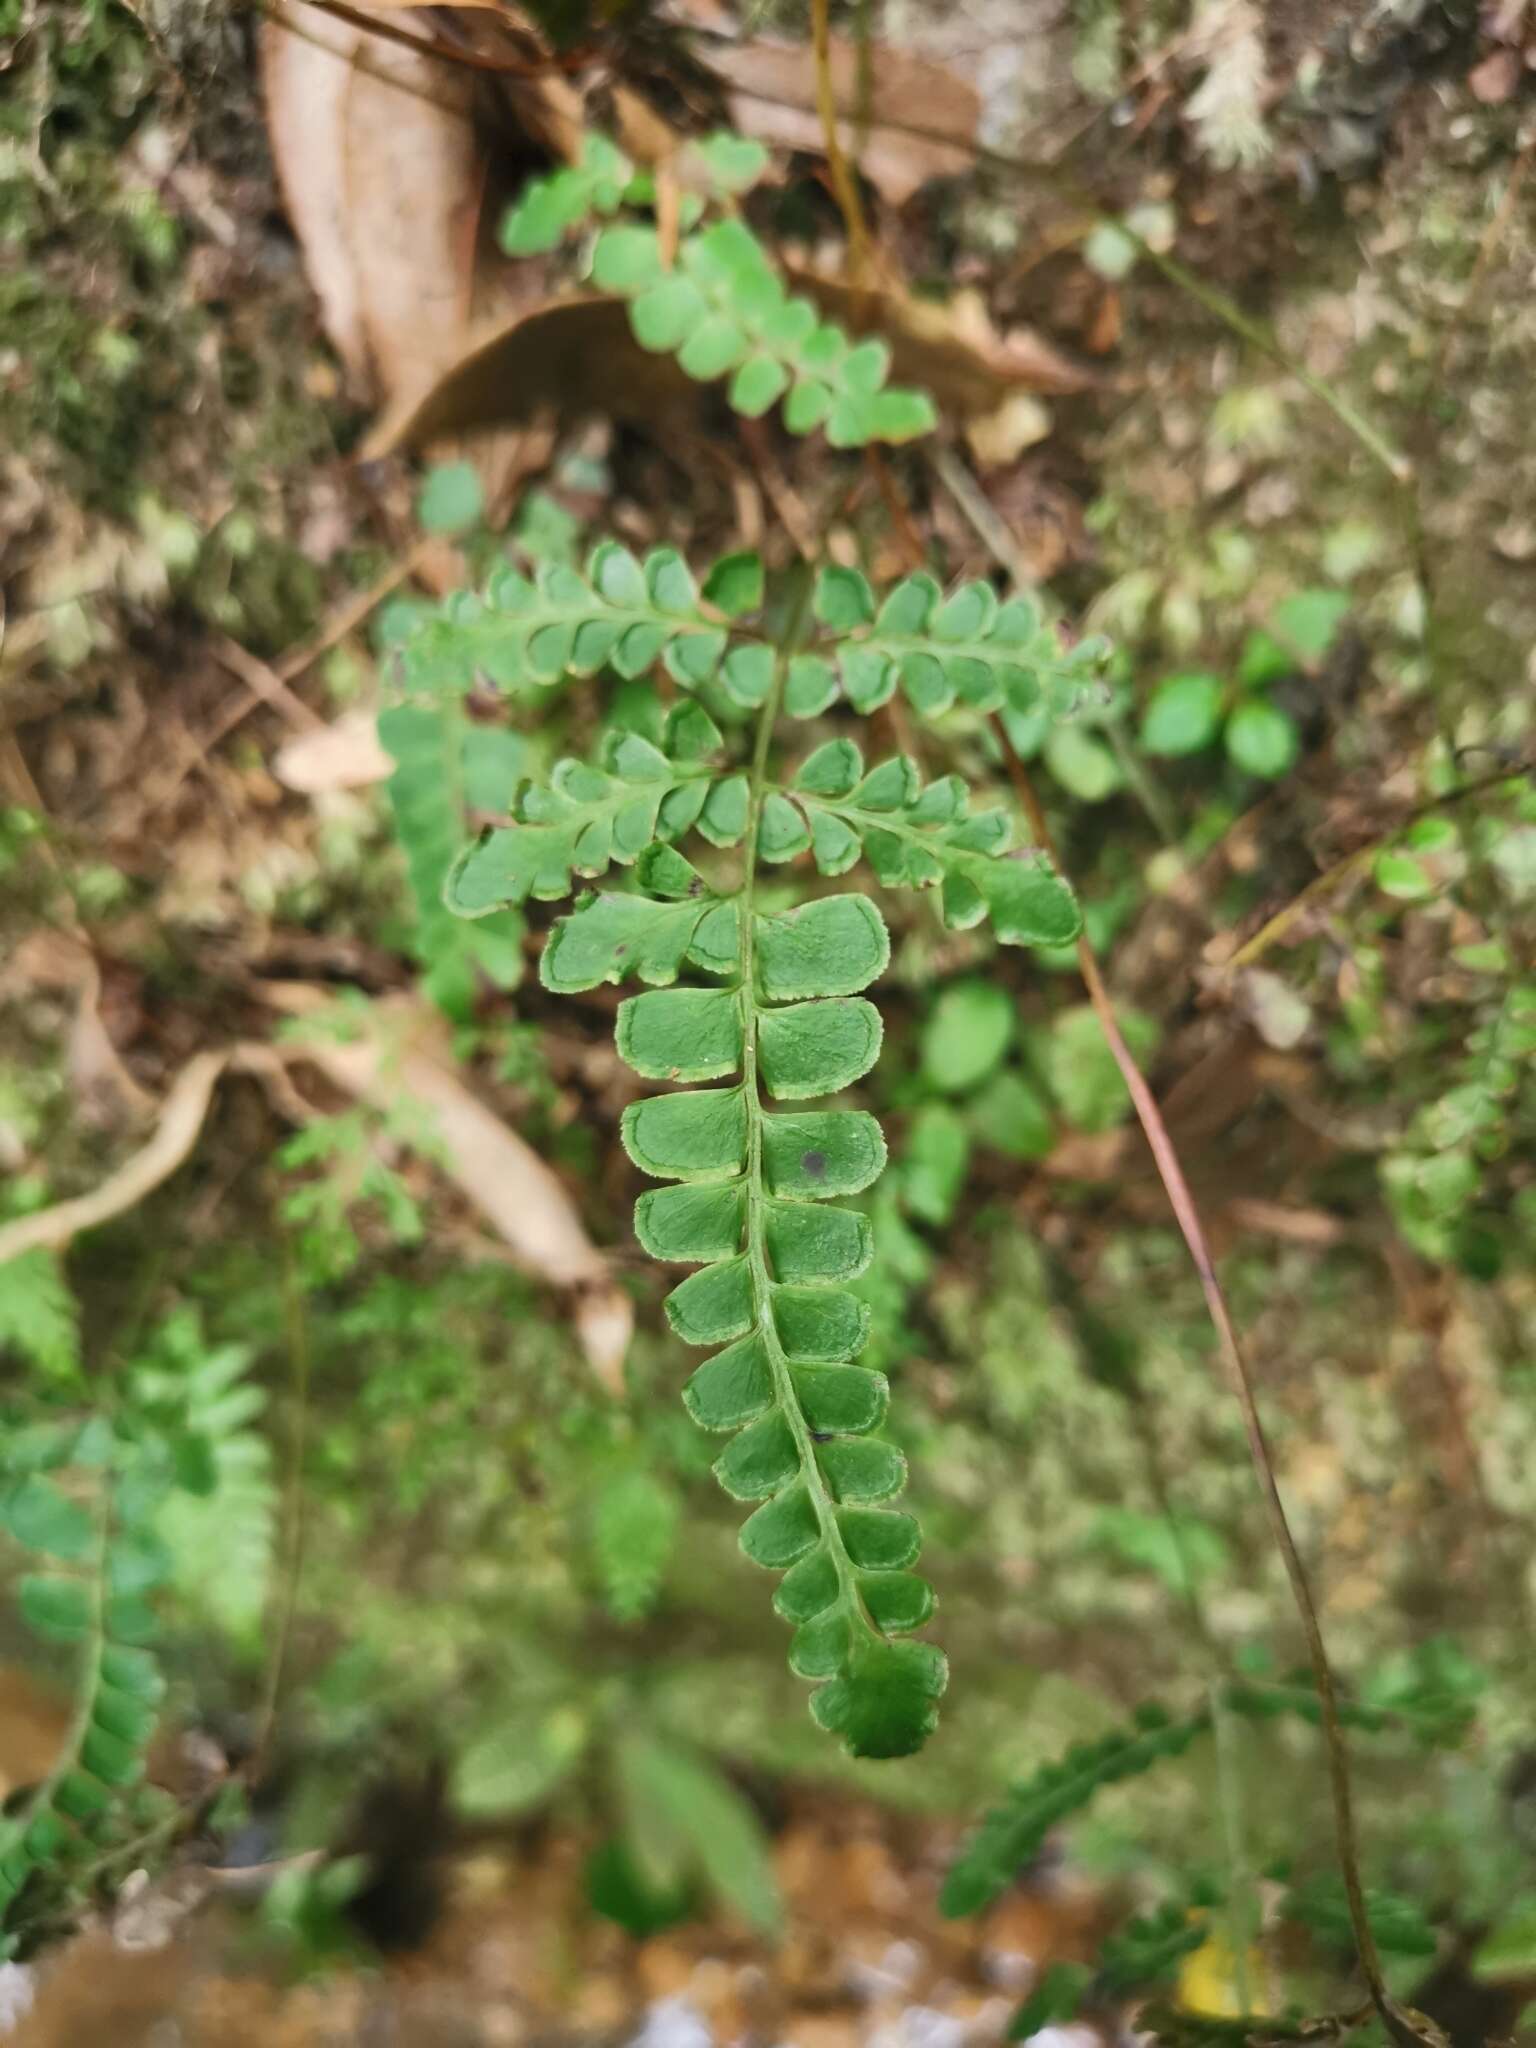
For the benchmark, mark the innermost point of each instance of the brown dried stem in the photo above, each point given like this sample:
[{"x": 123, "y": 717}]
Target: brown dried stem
[{"x": 845, "y": 186}]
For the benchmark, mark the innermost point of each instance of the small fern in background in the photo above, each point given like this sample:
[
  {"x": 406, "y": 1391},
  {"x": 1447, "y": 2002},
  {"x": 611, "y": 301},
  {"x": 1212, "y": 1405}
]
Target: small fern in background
[
  {"x": 38, "y": 1317},
  {"x": 112, "y": 1503},
  {"x": 634, "y": 1529},
  {"x": 221, "y": 1535}
]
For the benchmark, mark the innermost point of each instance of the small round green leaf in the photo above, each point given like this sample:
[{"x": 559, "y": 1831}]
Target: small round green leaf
[
  {"x": 627, "y": 259},
  {"x": 811, "y": 686},
  {"x": 843, "y": 598},
  {"x": 452, "y": 498},
  {"x": 758, "y": 383},
  {"x": 967, "y": 1033},
  {"x": 782, "y": 830},
  {"x": 1399, "y": 874},
  {"x": 807, "y": 405},
  {"x": 735, "y": 584},
  {"x": 747, "y": 673},
  {"x": 666, "y": 314},
  {"x": 1183, "y": 714},
  {"x": 1082, "y": 763},
  {"x": 60, "y": 1609},
  {"x": 1261, "y": 739},
  {"x": 42, "y": 1518},
  {"x": 713, "y": 347},
  {"x": 832, "y": 770}
]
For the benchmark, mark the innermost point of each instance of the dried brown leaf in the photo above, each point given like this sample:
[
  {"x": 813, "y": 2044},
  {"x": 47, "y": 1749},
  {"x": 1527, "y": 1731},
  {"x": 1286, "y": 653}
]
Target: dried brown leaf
[
  {"x": 389, "y": 187},
  {"x": 772, "y": 89},
  {"x": 414, "y": 177},
  {"x": 949, "y": 346},
  {"x": 572, "y": 356},
  {"x": 343, "y": 755},
  {"x": 306, "y": 79}
]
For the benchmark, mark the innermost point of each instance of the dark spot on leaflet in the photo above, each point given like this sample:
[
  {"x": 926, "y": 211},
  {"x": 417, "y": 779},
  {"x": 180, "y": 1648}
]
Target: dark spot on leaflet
[
  {"x": 813, "y": 1164},
  {"x": 696, "y": 886},
  {"x": 621, "y": 949}
]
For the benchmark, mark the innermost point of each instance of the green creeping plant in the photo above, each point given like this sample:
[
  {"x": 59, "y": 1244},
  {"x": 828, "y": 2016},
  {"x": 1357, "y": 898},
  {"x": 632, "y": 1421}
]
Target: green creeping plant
[
  {"x": 719, "y": 305},
  {"x": 750, "y": 1007}
]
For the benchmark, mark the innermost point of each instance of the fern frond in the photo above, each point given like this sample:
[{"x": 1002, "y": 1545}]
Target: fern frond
[
  {"x": 1015, "y": 1830},
  {"x": 746, "y": 1207},
  {"x": 724, "y": 310},
  {"x": 586, "y": 818},
  {"x": 964, "y": 648},
  {"x": 101, "y": 1560},
  {"x": 721, "y": 306},
  {"x": 921, "y": 837},
  {"x": 623, "y": 614},
  {"x": 38, "y": 1316},
  {"x": 773, "y": 1011},
  {"x": 553, "y": 207},
  {"x": 230, "y": 1515},
  {"x": 719, "y": 166},
  {"x": 425, "y": 795}
]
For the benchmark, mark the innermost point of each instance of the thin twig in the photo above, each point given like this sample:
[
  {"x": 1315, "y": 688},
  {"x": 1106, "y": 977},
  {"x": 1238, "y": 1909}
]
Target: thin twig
[
  {"x": 510, "y": 67},
  {"x": 1275, "y": 928},
  {"x": 988, "y": 523},
  {"x": 1408, "y": 2030},
  {"x": 794, "y": 515},
  {"x": 261, "y": 677},
  {"x": 354, "y": 610},
  {"x": 1260, "y": 337},
  {"x": 845, "y": 185}
]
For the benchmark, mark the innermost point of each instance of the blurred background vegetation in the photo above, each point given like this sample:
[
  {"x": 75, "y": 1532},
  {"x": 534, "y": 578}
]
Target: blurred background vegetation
[{"x": 466, "y": 1673}]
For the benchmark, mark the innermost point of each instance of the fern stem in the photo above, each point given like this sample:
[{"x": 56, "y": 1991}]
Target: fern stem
[
  {"x": 845, "y": 184},
  {"x": 784, "y": 1393},
  {"x": 1229, "y": 1792},
  {"x": 1407, "y": 2029}
]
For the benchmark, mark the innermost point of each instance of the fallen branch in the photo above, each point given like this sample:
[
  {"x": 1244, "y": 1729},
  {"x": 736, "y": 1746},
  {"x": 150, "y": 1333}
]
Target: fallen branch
[{"x": 181, "y": 1118}]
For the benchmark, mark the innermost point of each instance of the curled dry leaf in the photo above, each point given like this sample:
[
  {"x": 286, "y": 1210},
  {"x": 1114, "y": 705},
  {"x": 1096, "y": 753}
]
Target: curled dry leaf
[
  {"x": 383, "y": 178},
  {"x": 772, "y": 90},
  {"x": 571, "y": 356},
  {"x": 404, "y": 1052},
  {"x": 389, "y": 187},
  {"x": 576, "y": 355}
]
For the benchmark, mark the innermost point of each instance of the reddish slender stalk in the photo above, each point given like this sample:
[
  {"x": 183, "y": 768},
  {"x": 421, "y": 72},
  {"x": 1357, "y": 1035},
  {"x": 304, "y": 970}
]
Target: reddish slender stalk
[{"x": 1408, "y": 2029}]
